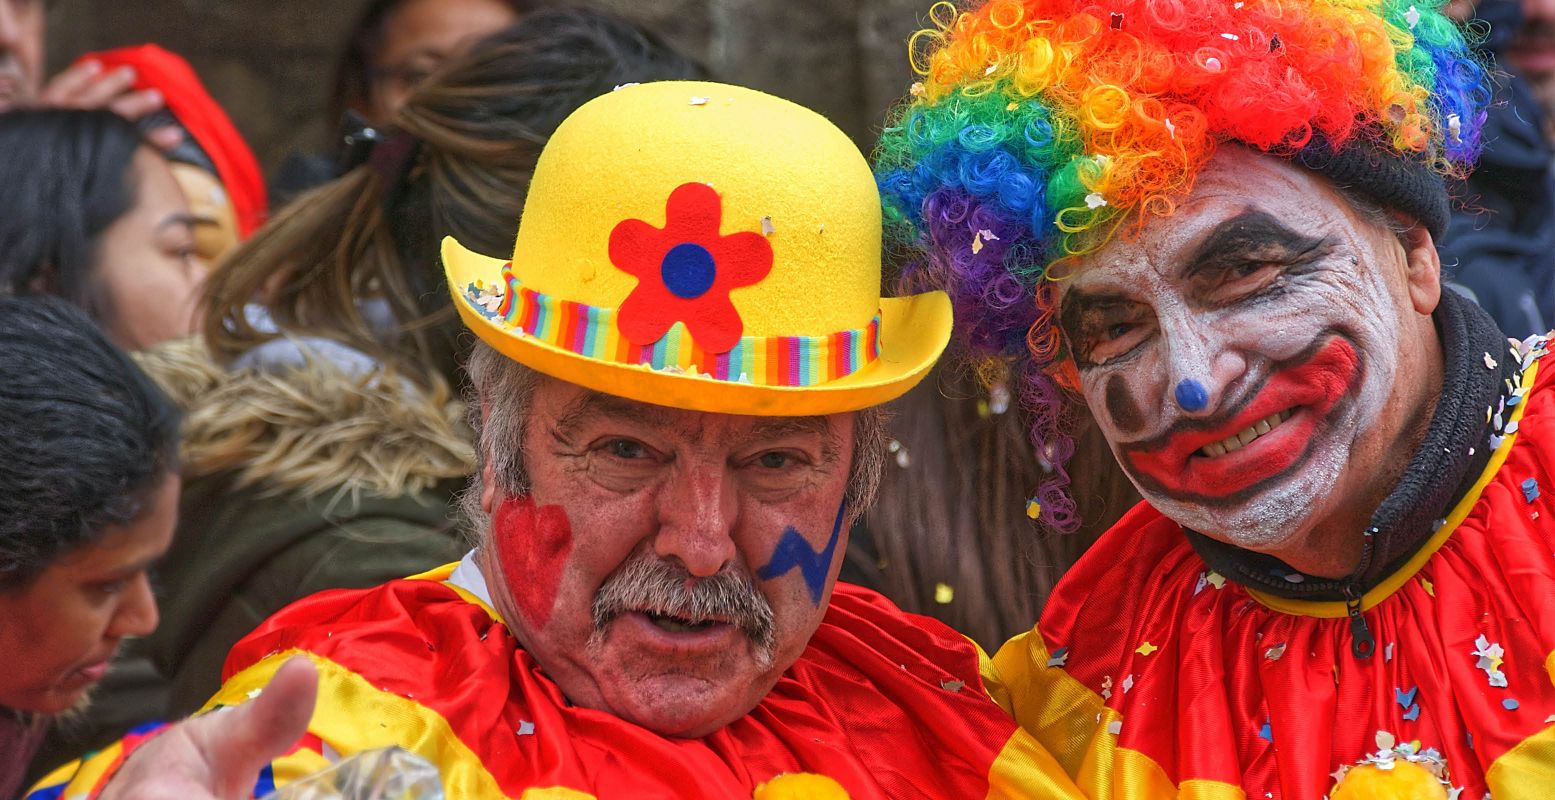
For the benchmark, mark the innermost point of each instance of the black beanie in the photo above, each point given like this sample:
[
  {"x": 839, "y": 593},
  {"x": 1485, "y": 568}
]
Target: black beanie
[{"x": 1401, "y": 182}]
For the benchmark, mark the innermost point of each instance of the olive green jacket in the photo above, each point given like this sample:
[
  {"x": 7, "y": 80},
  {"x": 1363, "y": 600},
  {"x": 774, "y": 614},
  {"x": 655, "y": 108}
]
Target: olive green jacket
[{"x": 296, "y": 481}]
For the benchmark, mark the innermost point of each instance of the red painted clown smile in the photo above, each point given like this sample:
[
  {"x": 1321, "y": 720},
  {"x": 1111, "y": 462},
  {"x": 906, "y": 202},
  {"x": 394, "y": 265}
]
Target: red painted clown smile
[{"x": 1271, "y": 433}]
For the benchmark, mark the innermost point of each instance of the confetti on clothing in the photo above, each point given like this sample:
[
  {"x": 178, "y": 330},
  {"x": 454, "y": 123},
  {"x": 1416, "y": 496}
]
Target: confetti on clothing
[
  {"x": 1466, "y": 628},
  {"x": 899, "y": 677}
]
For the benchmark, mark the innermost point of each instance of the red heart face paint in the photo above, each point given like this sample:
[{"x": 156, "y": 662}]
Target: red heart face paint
[
  {"x": 1189, "y": 464},
  {"x": 532, "y": 544}
]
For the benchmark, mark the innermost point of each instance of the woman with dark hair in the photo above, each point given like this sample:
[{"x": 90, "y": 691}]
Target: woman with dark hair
[
  {"x": 88, "y": 499},
  {"x": 324, "y": 445},
  {"x": 91, "y": 213},
  {"x": 397, "y": 44}
]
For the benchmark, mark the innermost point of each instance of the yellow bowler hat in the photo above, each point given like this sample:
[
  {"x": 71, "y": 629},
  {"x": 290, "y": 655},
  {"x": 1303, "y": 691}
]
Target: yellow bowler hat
[{"x": 706, "y": 247}]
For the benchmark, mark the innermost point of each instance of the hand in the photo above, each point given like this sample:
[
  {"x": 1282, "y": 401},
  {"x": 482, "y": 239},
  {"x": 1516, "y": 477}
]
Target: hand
[
  {"x": 85, "y": 85},
  {"x": 218, "y": 756}
]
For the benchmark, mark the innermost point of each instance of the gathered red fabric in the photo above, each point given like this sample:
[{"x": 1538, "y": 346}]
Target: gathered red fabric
[
  {"x": 1212, "y": 682},
  {"x": 189, "y": 102}
]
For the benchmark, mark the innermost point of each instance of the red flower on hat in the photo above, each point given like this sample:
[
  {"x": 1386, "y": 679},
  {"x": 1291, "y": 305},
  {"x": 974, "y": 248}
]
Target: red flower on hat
[{"x": 686, "y": 270}]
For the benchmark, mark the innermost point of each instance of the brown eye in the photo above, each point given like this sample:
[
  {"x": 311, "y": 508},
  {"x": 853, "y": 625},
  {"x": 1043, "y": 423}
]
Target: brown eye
[{"x": 626, "y": 449}]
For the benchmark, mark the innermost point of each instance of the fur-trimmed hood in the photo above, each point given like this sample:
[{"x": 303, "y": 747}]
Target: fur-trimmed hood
[{"x": 313, "y": 428}]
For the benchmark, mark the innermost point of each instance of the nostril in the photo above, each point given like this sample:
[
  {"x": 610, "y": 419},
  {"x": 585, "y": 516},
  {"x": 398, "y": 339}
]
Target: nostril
[{"x": 1191, "y": 395}]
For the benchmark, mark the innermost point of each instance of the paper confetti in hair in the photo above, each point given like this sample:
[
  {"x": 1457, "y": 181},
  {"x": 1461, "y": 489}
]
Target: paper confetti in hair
[{"x": 1041, "y": 128}]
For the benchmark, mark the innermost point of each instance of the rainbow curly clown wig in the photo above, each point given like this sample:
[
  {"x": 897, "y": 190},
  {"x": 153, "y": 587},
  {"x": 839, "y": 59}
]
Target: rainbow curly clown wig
[{"x": 1043, "y": 128}]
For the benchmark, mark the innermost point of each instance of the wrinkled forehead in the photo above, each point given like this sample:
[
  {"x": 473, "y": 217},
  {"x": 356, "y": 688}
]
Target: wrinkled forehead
[
  {"x": 576, "y": 407},
  {"x": 1240, "y": 197}
]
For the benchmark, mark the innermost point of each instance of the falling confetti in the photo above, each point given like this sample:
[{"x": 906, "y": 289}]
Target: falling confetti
[
  {"x": 1059, "y": 657},
  {"x": 1146, "y": 649},
  {"x": 1266, "y": 732},
  {"x": 1094, "y": 200},
  {"x": 1128, "y": 682},
  {"x": 916, "y": 90},
  {"x": 526, "y": 728},
  {"x": 1033, "y": 508},
  {"x": 1531, "y": 489},
  {"x": 1490, "y": 363},
  {"x": 1212, "y": 64},
  {"x": 952, "y": 686},
  {"x": 1115, "y": 727},
  {"x": 1106, "y": 688},
  {"x": 766, "y": 226},
  {"x": 944, "y": 593},
  {"x": 1430, "y": 588},
  {"x": 1230, "y": 37},
  {"x": 1413, "y": 713},
  {"x": 699, "y": 101},
  {"x": 1117, "y": 21},
  {"x": 1216, "y": 580},
  {"x": 1412, "y": 17},
  {"x": 992, "y": 68},
  {"x": 1387, "y": 653},
  {"x": 1274, "y": 653},
  {"x": 1509, "y": 704}
]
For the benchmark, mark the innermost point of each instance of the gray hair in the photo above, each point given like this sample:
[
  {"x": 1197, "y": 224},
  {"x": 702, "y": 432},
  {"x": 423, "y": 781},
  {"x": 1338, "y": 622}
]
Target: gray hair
[{"x": 499, "y": 394}]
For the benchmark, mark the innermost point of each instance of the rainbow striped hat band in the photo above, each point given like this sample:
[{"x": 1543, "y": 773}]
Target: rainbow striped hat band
[{"x": 592, "y": 332}]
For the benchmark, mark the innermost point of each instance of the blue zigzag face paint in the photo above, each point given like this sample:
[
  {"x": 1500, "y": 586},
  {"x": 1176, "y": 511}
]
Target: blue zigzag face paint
[
  {"x": 699, "y": 554},
  {"x": 793, "y": 551}
]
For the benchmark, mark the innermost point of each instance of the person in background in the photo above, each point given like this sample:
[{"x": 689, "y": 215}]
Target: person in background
[
  {"x": 212, "y": 163},
  {"x": 88, "y": 499},
  {"x": 323, "y": 445},
  {"x": 394, "y": 46},
  {"x": 87, "y": 84},
  {"x": 1499, "y": 247},
  {"x": 91, "y": 213},
  {"x": 397, "y": 44}
]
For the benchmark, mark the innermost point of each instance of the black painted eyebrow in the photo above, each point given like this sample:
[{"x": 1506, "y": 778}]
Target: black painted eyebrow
[
  {"x": 1250, "y": 233},
  {"x": 1077, "y": 302}
]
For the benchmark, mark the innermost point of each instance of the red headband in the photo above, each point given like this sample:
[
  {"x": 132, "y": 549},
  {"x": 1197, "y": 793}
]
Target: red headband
[{"x": 198, "y": 112}]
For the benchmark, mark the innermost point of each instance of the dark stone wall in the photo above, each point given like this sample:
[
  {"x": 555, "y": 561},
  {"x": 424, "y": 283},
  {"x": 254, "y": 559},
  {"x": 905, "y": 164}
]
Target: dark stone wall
[{"x": 270, "y": 62}]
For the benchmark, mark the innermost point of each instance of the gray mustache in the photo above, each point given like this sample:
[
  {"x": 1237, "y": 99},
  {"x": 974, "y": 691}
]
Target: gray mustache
[{"x": 651, "y": 584}]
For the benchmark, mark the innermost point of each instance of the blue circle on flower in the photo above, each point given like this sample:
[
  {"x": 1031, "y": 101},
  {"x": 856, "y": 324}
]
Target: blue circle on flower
[
  {"x": 1192, "y": 395},
  {"x": 688, "y": 270}
]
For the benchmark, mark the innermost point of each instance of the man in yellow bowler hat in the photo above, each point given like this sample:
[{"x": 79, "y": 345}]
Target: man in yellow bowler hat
[{"x": 677, "y": 386}]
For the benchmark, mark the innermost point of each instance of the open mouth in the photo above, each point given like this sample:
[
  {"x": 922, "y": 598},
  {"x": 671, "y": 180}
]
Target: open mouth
[
  {"x": 1237, "y": 441},
  {"x": 672, "y": 623},
  {"x": 1267, "y": 434}
]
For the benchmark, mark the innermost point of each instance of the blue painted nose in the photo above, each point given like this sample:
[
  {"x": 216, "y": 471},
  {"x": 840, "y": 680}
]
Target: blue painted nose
[{"x": 1192, "y": 395}]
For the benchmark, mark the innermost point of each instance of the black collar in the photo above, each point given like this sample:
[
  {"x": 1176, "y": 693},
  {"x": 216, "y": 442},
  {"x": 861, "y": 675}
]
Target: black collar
[{"x": 1451, "y": 458}]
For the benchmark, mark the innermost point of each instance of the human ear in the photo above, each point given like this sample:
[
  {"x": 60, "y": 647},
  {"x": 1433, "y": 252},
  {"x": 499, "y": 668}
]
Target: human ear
[
  {"x": 1422, "y": 266},
  {"x": 488, "y": 489}
]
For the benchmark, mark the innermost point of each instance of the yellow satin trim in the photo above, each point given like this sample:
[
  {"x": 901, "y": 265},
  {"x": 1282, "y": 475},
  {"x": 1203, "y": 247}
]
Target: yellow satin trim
[
  {"x": 555, "y": 793},
  {"x": 84, "y": 774},
  {"x": 1070, "y": 721},
  {"x": 352, "y": 715},
  {"x": 1528, "y": 769},
  {"x": 1332, "y": 609},
  {"x": 435, "y": 573},
  {"x": 441, "y": 575}
]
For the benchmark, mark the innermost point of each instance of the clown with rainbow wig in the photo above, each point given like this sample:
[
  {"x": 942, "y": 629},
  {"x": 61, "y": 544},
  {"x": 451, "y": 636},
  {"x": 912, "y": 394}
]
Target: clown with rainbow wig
[{"x": 1214, "y": 225}]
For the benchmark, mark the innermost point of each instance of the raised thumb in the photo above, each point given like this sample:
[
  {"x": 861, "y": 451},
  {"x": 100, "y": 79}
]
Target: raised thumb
[{"x": 241, "y": 742}]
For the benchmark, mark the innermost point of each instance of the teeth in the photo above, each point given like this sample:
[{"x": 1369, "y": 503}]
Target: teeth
[
  {"x": 1231, "y": 444},
  {"x": 676, "y": 624}
]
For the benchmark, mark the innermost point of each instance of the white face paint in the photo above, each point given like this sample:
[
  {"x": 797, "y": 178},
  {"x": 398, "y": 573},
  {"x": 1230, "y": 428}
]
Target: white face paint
[{"x": 1240, "y": 355}]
